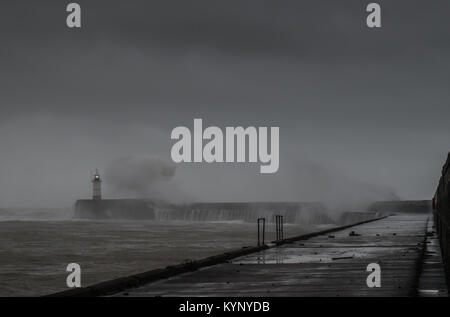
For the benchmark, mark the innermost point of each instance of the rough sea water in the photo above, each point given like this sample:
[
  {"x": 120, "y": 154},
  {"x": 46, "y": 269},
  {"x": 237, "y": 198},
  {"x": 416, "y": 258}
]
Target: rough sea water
[{"x": 37, "y": 245}]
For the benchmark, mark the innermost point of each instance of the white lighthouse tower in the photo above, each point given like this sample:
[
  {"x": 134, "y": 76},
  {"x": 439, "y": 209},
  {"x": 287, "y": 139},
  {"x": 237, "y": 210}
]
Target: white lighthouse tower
[{"x": 97, "y": 186}]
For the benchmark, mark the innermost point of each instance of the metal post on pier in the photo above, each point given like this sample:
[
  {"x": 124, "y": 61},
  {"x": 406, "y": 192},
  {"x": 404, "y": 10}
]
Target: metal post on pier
[
  {"x": 277, "y": 231},
  {"x": 263, "y": 222},
  {"x": 279, "y": 227},
  {"x": 282, "y": 227}
]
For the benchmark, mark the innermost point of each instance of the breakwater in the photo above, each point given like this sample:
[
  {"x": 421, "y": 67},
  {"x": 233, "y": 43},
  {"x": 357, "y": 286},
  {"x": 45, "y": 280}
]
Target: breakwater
[{"x": 292, "y": 212}]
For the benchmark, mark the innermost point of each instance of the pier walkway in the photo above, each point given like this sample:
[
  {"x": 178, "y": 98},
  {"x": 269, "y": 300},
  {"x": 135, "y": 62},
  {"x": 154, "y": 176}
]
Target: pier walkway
[{"x": 334, "y": 264}]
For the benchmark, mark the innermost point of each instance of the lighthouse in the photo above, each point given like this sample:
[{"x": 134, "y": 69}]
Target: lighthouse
[{"x": 97, "y": 186}]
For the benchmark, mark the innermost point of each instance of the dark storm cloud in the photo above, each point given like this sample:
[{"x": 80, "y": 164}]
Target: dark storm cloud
[
  {"x": 369, "y": 104},
  {"x": 287, "y": 27}
]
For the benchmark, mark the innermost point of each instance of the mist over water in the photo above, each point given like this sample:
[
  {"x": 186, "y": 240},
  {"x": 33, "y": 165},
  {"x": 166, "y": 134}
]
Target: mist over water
[
  {"x": 330, "y": 189},
  {"x": 42, "y": 214},
  {"x": 143, "y": 177},
  {"x": 336, "y": 190}
]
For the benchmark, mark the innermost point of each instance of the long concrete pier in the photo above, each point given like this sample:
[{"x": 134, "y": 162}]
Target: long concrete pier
[{"x": 334, "y": 264}]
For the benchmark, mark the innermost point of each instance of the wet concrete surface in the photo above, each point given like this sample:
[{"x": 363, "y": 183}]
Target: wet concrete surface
[
  {"x": 326, "y": 265},
  {"x": 432, "y": 277}
]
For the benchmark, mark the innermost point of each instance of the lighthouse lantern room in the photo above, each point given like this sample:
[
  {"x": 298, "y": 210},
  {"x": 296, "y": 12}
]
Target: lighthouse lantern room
[{"x": 97, "y": 186}]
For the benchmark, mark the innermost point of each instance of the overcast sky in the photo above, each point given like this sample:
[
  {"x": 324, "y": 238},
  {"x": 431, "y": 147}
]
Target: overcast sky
[{"x": 362, "y": 112}]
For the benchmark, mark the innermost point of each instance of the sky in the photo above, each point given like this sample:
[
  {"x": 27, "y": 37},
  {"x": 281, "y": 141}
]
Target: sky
[{"x": 363, "y": 113}]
